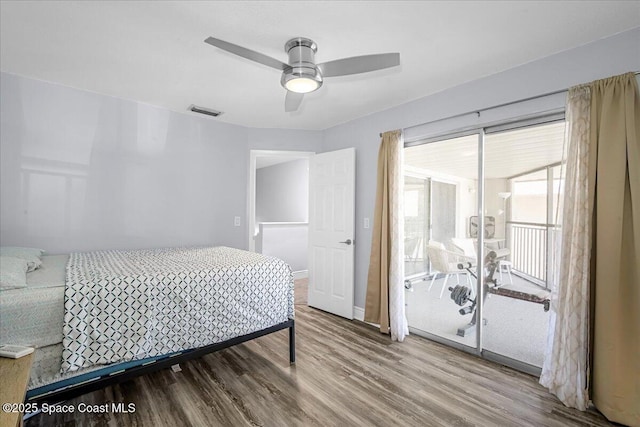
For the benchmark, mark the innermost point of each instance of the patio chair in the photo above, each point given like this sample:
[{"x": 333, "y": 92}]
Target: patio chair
[
  {"x": 467, "y": 247},
  {"x": 445, "y": 262}
]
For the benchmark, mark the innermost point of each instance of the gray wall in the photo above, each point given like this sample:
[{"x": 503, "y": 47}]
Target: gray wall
[
  {"x": 604, "y": 58},
  {"x": 282, "y": 192},
  {"x": 285, "y": 139},
  {"x": 83, "y": 171}
]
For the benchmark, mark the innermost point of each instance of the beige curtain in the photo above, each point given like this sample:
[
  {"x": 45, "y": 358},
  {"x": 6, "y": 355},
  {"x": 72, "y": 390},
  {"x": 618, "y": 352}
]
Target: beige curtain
[
  {"x": 615, "y": 182},
  {"x": 385, "y": 283},
  {"x": 598, "y": 301}
]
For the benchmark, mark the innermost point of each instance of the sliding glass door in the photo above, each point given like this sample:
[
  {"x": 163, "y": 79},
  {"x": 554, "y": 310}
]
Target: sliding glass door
[
  {"x": 468, "y": 197},
  {"x": 522, "y": 183},
  {"x": 446, "y": 170}
]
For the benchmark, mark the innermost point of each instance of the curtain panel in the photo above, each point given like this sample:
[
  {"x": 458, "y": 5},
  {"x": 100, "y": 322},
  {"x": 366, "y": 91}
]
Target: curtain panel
[
  {"x": 565, "y": 370},
  {"x": 594, "y": 344},
  {"x": 615, "y": 282},
  {"x": 385, "y": 284}
]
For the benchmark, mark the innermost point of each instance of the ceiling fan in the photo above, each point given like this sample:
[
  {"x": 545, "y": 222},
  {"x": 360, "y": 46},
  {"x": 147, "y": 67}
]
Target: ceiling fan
[{"x": 302, "y": 75}]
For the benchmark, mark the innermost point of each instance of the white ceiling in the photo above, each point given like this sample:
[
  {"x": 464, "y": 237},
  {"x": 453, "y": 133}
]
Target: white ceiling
[
  {"x": 506, "y": 154},
  {"x": 154, "y": 52}
]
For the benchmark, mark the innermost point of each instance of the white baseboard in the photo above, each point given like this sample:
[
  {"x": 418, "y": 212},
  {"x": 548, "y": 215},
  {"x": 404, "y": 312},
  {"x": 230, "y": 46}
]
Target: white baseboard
[
  {"x": 358, "y": 313},
  {"x": 302, "y": 274}
]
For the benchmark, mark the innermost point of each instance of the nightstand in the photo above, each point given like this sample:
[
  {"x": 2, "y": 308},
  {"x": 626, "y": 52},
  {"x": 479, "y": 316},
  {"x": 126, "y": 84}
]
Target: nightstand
[{"x": 15, "y": 377}]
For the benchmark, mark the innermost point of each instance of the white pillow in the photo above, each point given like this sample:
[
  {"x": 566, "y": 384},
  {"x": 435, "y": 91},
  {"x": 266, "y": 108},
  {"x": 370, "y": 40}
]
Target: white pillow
[
  {"x": 31, "y": 255},
  {"x": 13, "y": 272}
]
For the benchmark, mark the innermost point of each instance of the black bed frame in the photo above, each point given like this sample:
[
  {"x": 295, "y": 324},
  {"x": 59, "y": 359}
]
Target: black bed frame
[{"x": 88, "y": 386}]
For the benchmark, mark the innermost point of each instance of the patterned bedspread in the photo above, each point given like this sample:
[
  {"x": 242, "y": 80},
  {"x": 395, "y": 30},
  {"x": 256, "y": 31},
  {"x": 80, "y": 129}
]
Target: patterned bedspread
[{"x": 124, "y": 305}]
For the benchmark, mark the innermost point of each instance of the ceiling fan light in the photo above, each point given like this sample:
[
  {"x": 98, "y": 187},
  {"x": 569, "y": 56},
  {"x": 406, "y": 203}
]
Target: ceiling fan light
[
  {"x": 302, "y": 85},
  {"x": 301, "y": 79}
]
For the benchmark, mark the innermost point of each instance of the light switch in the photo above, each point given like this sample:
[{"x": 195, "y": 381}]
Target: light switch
[
  {"x": 236, "y": 221},
  {"x": 366, "y": 223}
]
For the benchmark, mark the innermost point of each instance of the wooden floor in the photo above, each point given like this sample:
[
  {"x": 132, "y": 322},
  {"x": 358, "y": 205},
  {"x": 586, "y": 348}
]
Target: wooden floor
[{"x": 347, "y": 374}]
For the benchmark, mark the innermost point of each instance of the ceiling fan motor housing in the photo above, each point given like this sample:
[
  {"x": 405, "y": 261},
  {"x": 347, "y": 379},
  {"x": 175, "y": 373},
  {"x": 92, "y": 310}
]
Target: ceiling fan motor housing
[{"x": 302, "y": 65}]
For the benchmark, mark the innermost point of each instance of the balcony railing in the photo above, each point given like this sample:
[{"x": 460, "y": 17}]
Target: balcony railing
[{"x": 531, "y": 252}]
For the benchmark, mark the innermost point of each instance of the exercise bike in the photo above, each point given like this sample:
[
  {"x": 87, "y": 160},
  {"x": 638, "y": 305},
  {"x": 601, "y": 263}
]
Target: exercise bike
[{"x": 462, "y": 295}]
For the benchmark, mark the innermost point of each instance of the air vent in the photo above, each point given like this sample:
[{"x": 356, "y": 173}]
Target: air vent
[{"x": 206, "y": 111}]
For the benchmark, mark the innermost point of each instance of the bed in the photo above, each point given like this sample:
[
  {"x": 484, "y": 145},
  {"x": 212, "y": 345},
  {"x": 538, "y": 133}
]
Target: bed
[{"x": 100, "y": 317}]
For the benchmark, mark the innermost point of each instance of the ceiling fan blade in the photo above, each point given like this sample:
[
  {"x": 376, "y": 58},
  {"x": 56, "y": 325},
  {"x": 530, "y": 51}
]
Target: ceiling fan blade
[
  {"x": 292, "y": 101},
  {"x": 359, "y": 64},
  {"x": 247, "y": 53}
]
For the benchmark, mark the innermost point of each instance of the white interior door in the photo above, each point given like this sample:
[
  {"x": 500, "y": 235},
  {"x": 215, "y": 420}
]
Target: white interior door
[{"x": 332, "y": 179}]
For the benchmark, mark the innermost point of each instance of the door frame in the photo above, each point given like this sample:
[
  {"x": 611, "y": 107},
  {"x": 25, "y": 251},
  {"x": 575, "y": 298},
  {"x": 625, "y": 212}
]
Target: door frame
[{"x": 251, "y": 191}]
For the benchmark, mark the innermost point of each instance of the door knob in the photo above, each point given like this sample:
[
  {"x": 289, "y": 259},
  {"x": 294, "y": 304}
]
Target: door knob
[{"x": 347, "y": 242}]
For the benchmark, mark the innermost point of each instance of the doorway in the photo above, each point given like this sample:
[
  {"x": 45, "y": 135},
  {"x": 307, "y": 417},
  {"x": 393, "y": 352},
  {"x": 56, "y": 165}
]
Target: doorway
[{"x": 278, "y": 206}]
